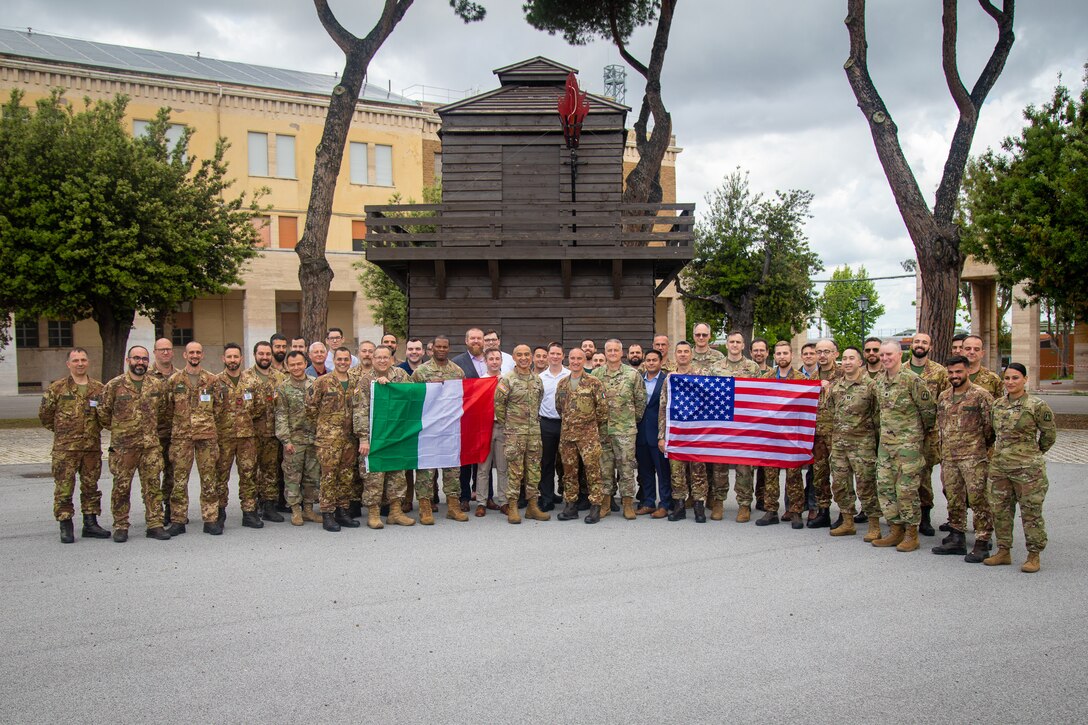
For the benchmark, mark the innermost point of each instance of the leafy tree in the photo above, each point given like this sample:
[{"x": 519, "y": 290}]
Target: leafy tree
[
  {"x": 579, "y": 22},
  {"x": 934, "y": 232},
  {"x": 839, "y": 305},
  {"x": 314, "y": 273},
  {"x": 95, "y": 223},
  {"x": 752, "y": 264},
  {"x": 1026, "y": 207}
]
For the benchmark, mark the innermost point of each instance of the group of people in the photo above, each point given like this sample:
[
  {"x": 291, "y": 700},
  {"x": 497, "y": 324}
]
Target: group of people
[{"x": 567, "y": 430}]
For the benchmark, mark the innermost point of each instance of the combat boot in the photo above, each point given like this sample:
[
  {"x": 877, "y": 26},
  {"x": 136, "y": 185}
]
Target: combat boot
[
  {"x": 166, "y": 511},
  {"x": 717, "y": 510},
  {"x": 569, "y": 512},
  {"x": 768, "y": 518},
  {"x": 925, "y": 527},
  {"x": 215, "y": 528},
  {"x": 845, "y": 528},
  {"x": 396, "y": 516},
  {"x": 512, "y": 515},
  {"x": 861, "y": 518},
  {"x": 1001, "y": 558},
  {"x": 822, "y": 519},
  {"x": 374, "y": 517},
  {"x": 594, "y": 514},
  {"x": 453, "y": 510},
  {"x": 222, "y": 515},
  {"x": 629, "y": 508},
  {"x": 1032, "y": 564},
  {"x": 606, "y": 508},
  {"x": 700, "y": 512},
  {"x": 328, "y": 521},
  {"x": 67, "y": 532},
  {"x": 426, "y": 512},
  {"x": 355, "y": 509},
  {"x": 175, "y": 529},
  {"x": 874, "y": 531},
  {"x": 343, "y": 518},
  {"x": 532, "y": 511},
  {"x": 744, "y": 514},
  {"x": 613, "y": 507},
  {"x": 157, "y": 532},
  {"x": 92, "y": 530},
  {"x": 679, "y": 510},
  {"x": 955, "y": 543},
  {"x": 120, "y": 535},
  {"x": 978, "y": 552},
  {"x": 894, "y": 537},
  {"x": 269, "y": 513},
  {"x": 308, "y": 513},
  {"x": 910, "y": 539},
  {"x": 252, "y": 520},
  {"x": 296, "y": 515},
  {"x": 837, "y": 522}
]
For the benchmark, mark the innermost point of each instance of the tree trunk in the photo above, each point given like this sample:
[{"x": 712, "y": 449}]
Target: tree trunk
[
  {"x": 939, "y": 263},
  {"x": 113, "y": 327}
]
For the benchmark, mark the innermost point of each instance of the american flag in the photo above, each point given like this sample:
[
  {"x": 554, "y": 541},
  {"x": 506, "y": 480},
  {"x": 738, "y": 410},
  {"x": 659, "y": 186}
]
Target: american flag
[{"x": 754, "y": 422}]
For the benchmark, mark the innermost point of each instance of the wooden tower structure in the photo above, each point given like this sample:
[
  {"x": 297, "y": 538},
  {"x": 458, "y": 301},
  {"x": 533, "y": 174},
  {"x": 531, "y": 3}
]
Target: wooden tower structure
[{"x": 508, "y": 248}]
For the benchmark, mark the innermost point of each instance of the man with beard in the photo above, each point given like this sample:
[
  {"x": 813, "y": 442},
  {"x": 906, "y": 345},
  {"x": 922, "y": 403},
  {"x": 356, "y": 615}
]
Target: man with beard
[
  {"x": 387, "y": 485},
  {"x": 936, "y": 378},
  {"x": 298, "y": 344},
  {"x": 235, "y": 420},
  {"x": 634, "y": 355},
  {"x": 795, "y": 485},
  {"x": 131, "y": 406},
  {"x": 329, "y": 408},
  {"x": 871, "y": 351},
  {"x": 827, "y": 371},
  {"x": 269, "y": 455},
  {"x": 161, "y": 371},
  {"x": 279, "y": 352},
  {"x": 436, "y": 370},
  {"x": 473, "y": 364},
  {"x": 390, "y": 341}
]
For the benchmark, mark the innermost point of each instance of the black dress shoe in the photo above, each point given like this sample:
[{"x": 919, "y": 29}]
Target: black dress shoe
[
  {"x": 328, "y": 521},
  {"x": 92, "y": 530},
  {"x": 269, "y": 513},
  {"x": 679, "y": 510},
  {"x": 342, "y": 518},
  {"x": 175, "y": 529},
  {"x": 770, "y": 517},
  {"x": 251, "y": 520},
  {"x": 67, "y": 532},
  {"x": 157, "y": 532},
  {"x": 569, "y": 512},
  {"x": 862, "y": 518},
  {"x": 120, "y": 535},
  {"x": 594, "y": 515},
  {"x": 822, "y": 520},
  {"x": 699, "y": 510},
  {"x": 215, "y": 528}
]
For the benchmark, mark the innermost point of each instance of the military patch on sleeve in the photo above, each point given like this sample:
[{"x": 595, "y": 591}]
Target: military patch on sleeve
[
  {"x": 1048, "y": 417},
  {"x": 925, "y": 394}
]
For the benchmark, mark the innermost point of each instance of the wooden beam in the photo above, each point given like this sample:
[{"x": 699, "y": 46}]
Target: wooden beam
[
  {"x": 493, "y": 272},
  {"x": 617, "y": 277},
  {"x": 667, "y": 281},
  {"x": 564, "y": 266},
  {"x": 440, "y": 278}
]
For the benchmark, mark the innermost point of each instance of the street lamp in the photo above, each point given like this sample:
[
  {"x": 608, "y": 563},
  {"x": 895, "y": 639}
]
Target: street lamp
[
  {"x": 863, "y": 305},
  {"x": 573, "y": 107}
]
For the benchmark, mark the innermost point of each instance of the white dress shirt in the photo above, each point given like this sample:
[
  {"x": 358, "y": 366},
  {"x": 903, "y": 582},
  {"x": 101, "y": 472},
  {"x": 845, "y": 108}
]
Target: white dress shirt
[{"x": 551, "y": 381}]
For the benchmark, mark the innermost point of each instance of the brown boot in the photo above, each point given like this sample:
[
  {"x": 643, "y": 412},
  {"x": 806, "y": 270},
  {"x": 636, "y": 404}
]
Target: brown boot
[
  {"x": 532, "y": 511},
  {"x": 453, "y": 510},
  {"x": 629, "y": 508},
  {"x": 396, "y": 516},
  {"x": 296, "y": 515},
  {"x": 512, "y": 515},
  {"x": 874, "y": 530},
  {"x": 606, "y": 507},
  {"x": 308, "y": 513},
  {"x": 910, "y": 539},
  {"x": 717, "y": 509},
  {"x": 1032, "y": 564},
  {"x": 374, "y": 517},
  {"x": 744, "y": 514},
  {"x": 1001, "y": 558},
  {"x": 846, "y": 528},
  {"x": 894, "y": 537},
  {"x": 426, "y": 512}
]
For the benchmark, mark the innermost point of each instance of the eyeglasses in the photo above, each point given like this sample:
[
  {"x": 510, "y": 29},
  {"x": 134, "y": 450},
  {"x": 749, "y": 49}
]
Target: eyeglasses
[
  {"x": 702, "y": 334},
  {"x": 136, "y": 358},
  {"x": 872, "y": 349},
  {"x": 164, "y": 349}
]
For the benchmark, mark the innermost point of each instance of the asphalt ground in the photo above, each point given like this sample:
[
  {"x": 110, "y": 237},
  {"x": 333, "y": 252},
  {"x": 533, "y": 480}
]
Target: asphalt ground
[{"x": 550, "y": 622}]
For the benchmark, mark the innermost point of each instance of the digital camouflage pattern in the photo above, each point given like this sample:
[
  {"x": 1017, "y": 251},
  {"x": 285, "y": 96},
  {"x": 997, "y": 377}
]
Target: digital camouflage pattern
[
  {"x": 584, "y": 414},
  {"x": 383, "y": 485},
  {"x": 191, "y": 406},
  {"x": 719, "y": 473},
  {"x": 1024, "y": 430},
  {"x": 907, "y": 411},
  {"x": 935, "y": 377},
  {"x": 301, "y": 472},
  {"x": 822, "y": 441},
  {"x": 701, "y": 362},
  {"x": 517, "y": 414},
  {"x": 625, "y": 393},
  {"x": 329, "y": 408},
  {"x": 183, "y": 453},
  {"x": 124, "y": 463},
  {"x": 71, "y": 414},
  {"x": 268, "y": 448},
  {"x": 165, "y": 423},
  {"x": 855, "y": 419},
  {"x": 242, "y": 403},
  {"x": 795, "y": 485},
  {"x": 688, "y": 478},
  {"x": 989, "y": 381}
]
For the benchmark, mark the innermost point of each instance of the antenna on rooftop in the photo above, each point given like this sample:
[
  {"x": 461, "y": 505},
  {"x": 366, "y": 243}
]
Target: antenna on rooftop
[{"x": 615, "y": 82}]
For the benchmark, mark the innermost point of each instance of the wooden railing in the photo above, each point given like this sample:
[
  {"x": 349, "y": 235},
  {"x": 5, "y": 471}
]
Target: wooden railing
[{"x": 552, "y": 225}]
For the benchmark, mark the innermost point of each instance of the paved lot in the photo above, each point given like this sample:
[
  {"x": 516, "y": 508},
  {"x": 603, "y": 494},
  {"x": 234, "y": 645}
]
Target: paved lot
[{"x": 643, "y": 621}]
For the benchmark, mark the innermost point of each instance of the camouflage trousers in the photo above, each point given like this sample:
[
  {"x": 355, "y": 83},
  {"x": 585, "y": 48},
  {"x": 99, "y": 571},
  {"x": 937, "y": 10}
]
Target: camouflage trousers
[
  {"x": 931, "y": 449},
  {"x": 964, "y": 483},
  {"x": 384, "y": 487},
  {"x": 182, "y": 454},
  {"x": 358, "y": 482},
  {"x": 301, "y": 475},
  {"x": 268, "y": 465},
  {"x": 898, "y": 478},
  {"x": 451, "y": 484},
  {"x": 821, "y": 469},
  {"x": 688, "y": 477},
  {"x": 337, "y": 462},
  {"x": 795, "y": 489},
  {"x": 587, "y": 452},
  {"x": 1026, "y": 486},
  {"x": 523, "y": 452},
  {"x": 497, "y": 458},
  {"x": 167, "y": 469},
  {"x": 618, "y": 462},
  {"x": 66, "y": 464},
  {"x": 855, "y": 461},
  {"x": 123, "y": 465},
  {"x": 719, "y": 476},
  {"x": 242, "y": 451}
]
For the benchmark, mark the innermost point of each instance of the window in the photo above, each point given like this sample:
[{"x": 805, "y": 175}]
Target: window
[
  {"x": 26, "y": 332},
  {"x": 181, "y": 336},
  {"x": 181, "y": 325},
  {"x": 173, "y": 133},
  {"x": 290, "y": 322},
  {"x": 285, "y": 156},
  {"x": 263, "y": 225},
  {"x": 258, "y": 154},
  {"x": 437, "y": 166},
  {"x": 357, "y": 160},
  {"x": 383, "y": 165},
  {"x": 60, "y": 333},
  {"x": 283, "y": 160},
  {"x": 288, "y": 226},
  {"x": 358, "y": 235}
]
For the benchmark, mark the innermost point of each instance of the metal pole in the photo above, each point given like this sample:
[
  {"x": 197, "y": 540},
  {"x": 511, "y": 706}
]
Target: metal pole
[{"x": 574, "y": 190}]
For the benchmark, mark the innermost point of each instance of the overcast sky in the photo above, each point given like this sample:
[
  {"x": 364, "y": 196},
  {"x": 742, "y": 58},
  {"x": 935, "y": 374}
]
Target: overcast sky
[{"x": 755, "y": 85}]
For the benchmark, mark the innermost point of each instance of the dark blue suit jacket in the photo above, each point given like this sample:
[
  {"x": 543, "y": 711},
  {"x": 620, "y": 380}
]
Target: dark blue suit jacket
[
  {"x": 647, "y": 427},
  {"x": 464, "y": 361}
]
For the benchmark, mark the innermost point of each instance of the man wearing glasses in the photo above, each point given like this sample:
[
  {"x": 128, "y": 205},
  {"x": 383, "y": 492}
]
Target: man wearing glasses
[
  {"x": 334, "y": 338},
  {"x": 161, "y": 371},
  {"x": 703, "y": 356},
  {"x": 871, "y": 351}
]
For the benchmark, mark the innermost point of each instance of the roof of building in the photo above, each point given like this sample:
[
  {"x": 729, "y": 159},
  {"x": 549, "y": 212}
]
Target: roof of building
[{"x": 89, "y": 53}]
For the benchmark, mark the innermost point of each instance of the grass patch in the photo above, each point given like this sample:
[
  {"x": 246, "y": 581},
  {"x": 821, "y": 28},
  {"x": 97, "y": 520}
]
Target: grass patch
[{"x": 12, "y": 423}]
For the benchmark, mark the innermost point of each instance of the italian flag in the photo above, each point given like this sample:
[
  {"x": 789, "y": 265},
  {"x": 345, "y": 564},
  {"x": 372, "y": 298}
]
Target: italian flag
[{"x": 430, "y": 425}]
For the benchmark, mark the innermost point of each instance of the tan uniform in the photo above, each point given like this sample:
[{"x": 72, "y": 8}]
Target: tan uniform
[{"x": 70, "y": 412}]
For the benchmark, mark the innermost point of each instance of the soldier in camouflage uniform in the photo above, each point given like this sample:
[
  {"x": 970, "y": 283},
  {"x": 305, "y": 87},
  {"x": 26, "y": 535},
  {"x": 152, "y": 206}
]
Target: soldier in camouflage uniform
[
  {"x": 986, "y": 379},
  {"x": 1024, "y": 430},
  {"x": 295, "y": 432},
  {"x": 267, "y": 458},
  {"x": 687, "y": 477},
  {"x": 855, "y": 419},
  {"x": 131, "y": 406},
  {"x": 390, "y": 485},
  {"x": 733, "y": 365},
  {"x": 436, "y": 370},
  {"x": 626, "y": 396},
  {"x": 243, "y": 403},
  {"x": 329, "y": 408},
  {"x": 907, "y": 412},
  {"x": 161, "y": 370},
  {"x": 966, "y": 432},
  {"x": 517, "y": 413},
  {"x": 795, "y": 484},
  {"x": 703, "y": 356},
  {"x": 828, "y": 372},
  {"x": 583, "y": 409},
  {"x": 193, "y": 397},
  {"x": 936, "y": 379},
  {"x": 68, "y": 409}
]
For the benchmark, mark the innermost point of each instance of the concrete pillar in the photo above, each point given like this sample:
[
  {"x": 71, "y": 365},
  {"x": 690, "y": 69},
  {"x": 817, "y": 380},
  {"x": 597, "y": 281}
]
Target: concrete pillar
[
  {"x": 9, "y": 365},
  {"x": 1080, "y": 355},
  {"x": 361, "y": 322},
  {"x": 258, "y": 318},
  {"x": 1025, "y": 337},
  {"x": 984, "y": 322},
  {"x": 142, "y": 333},
  {"x": 676, "y": 320},
  {"x": 798, "y": 340}
]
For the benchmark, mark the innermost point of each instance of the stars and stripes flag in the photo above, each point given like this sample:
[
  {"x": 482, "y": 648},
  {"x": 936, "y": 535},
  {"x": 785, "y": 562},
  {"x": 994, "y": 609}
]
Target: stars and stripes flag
[{"x": 754, "y": 422}]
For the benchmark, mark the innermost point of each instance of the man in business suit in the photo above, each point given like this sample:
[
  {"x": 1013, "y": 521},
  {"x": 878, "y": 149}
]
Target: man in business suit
[
  {"x": 472, "y": 362},
  {"x": 653, "y": 469}
]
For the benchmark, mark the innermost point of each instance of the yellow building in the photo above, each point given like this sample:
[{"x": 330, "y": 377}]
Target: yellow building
[{"x": 273, "y": 119}]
